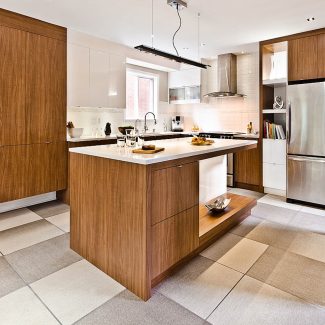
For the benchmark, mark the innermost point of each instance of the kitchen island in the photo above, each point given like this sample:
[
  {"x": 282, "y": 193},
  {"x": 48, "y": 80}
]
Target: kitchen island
[{"x": 139, "y": 217}]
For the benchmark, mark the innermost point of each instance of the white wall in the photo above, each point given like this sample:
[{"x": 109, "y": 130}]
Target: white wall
[{"x": 232, "y": 114}]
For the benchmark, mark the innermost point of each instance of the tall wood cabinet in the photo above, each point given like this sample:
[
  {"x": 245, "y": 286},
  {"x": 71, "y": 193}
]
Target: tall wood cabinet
[{"x": 32, "y": 106}]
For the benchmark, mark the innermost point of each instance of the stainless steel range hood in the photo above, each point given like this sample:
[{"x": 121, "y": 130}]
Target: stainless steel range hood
[{"x": 227, "y": 77}]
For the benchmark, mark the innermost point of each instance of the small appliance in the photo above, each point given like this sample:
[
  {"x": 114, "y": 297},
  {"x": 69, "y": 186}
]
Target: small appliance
[{"x": 178, "y": 123}]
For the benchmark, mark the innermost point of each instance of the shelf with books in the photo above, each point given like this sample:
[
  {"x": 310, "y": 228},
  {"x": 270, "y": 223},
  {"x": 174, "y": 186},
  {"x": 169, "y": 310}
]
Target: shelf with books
[{"x": 273, "y": 131}]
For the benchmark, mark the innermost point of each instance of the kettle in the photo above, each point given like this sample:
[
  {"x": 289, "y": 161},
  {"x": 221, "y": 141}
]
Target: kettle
[{"x": 108, "y": 129}]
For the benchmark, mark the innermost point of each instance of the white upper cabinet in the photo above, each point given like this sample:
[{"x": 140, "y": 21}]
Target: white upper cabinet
[
  {"x": 78, "y": 75},
  {"x": 117, "y": 81},
  {"x": 96, "y": 78},
  {"x": 184, "y": 78},
  {"x": 99, "y": 78}
]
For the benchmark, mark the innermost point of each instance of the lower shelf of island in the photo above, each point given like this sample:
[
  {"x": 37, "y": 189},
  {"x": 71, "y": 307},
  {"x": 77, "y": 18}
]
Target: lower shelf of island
[{"x": 212, "y": 226}]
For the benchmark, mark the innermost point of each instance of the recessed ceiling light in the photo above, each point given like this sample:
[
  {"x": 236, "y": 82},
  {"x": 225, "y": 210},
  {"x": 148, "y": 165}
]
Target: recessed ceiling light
[
  {"x": 186, "y": 48},
  {"x": 242, "y": 52},
  {"x": 203, "y": 44},
  {"x": 309, "y": 19}
]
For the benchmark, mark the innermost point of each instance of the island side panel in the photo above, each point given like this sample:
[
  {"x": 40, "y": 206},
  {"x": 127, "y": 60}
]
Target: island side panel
[{"x": 109, "y": 225}]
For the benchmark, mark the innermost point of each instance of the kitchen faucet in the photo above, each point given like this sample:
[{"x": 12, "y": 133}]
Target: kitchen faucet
[
  {"x": 136, "y": 125},
  {"x": 145, "y": 121}
]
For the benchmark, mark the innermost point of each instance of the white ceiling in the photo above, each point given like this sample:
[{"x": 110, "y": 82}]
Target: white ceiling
[{"x": 224, "y": 24}]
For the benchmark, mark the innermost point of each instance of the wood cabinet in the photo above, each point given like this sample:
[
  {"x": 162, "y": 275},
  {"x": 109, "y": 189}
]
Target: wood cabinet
[
  {"x": 321, "y": 56},
  {"x": 174, "y": 190},
  {"x": 32, "y": 106},
  {"x": 248, "y": 169},
  {"x": 29, "y": 170},
  {"x": 46, "y": 89},
  {"x": 13, "y": 114},
  {"x": 306, "y": 58},
  {"x": 174, "y": 239}
]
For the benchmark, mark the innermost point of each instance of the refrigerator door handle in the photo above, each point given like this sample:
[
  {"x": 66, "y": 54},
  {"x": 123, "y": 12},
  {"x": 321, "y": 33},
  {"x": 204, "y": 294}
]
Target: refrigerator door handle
[
  {"x": 289, "y": 124},
  {"x": 300, "y": 158}
]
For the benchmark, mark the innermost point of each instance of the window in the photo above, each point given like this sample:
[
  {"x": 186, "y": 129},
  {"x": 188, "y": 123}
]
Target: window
[{"x": 141, "y": 94}]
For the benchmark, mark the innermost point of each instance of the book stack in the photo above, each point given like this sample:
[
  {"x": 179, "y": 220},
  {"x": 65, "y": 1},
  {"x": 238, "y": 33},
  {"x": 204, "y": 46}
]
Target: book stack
[{"x": 273, "y": 131}]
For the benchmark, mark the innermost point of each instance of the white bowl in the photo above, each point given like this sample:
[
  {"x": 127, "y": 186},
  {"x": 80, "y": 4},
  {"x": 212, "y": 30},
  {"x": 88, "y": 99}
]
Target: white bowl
[{"x": 75, "y": 132}]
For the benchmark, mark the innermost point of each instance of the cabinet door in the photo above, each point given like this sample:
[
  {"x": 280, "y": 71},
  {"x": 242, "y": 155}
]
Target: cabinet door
[
  {"x": 174, "y": 190},
  {"x": 46, "y": 89},
  {"x": 32, "y": 169},
  {"x": 99, "y": 78},
  {"x": 247, "y": 167},
  {"x": 274, "y": 176},
  {"x": 302, "y": 58},
  {"x": 173, "y": 239},
  {"x": 321, "y": 56},
  {"x": 117, "y": 82},
  {"x": 78, "y": 76},
  {"x": 13, "y": 115}
]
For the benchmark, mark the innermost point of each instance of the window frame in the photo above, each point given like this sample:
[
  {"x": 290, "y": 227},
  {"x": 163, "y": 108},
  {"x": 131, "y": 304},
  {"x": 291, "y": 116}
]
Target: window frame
[{"x": 155, "y": 93}]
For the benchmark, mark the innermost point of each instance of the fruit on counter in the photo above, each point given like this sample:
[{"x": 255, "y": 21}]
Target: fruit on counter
[
  {"x": 148, "y": 147},
  {"x": 70, "y": 125},
  {"x": 201, "y": 141}
]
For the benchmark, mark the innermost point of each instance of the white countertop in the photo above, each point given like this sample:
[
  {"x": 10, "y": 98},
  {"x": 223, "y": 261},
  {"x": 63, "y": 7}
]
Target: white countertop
[{"x": 174, "y": 149}]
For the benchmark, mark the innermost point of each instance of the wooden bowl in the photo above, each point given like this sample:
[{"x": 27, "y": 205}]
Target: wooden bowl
[{"x": 123, "y": 129}]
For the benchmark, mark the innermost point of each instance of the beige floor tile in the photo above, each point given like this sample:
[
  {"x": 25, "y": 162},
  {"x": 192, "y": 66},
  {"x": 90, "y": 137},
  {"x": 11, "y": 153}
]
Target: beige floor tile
[
  {"x": 17, "y": 218},
  {"x": 221, "y": 247},
  {"x": 273, "y": 213},
  {"x": 252, "y": 302},
  {"x": 242, "y": 256},
  {"x": 14, "y": 239},
  {"x": 200, "y": 286},
  {"x": 279, "y": 201},
  {"x": 309, "y": 222},
  {"x": 246, "y": 226},
  {"x": 289, "y": 238},
  {"x": 62, "y": 221},
  {"x": 295, "y": 274},
  {"x": 23, "y": 307},
  {"x": 75, "y": 291},
  {"x": 49, "y": 209}
]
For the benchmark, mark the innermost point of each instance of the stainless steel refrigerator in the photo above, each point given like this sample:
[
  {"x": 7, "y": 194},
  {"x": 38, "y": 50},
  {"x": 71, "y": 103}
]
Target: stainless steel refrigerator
[{"x": 306, "y": 143}]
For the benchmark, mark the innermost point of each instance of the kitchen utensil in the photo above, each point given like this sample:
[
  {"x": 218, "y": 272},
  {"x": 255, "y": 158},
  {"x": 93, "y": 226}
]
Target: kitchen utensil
[
  {"x": 75, "y": 132},
  {"x": 148, "y": 151},
  {"x": 123, "y": 129}
]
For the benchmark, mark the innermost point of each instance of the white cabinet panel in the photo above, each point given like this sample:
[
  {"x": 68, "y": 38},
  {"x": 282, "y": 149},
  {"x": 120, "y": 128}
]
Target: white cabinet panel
[
  {"x": 117, "y": 81},
  {"x": 274, "y": 151},
  {"x": 274, "y": 176},
  {"x": 182, "y": 78},
  {"x": 99, "y": 78},
  {"x": 78, "y": 75}
]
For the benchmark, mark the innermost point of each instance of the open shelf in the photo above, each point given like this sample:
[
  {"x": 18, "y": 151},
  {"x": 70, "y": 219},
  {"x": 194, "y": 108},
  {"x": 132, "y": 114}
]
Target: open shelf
[
  {"x": 274, "y": 111},
  {"x": 275, "y": 82},
  {"x": 211, "y": 225}
]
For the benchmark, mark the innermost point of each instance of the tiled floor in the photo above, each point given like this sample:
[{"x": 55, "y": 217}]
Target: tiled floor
[{"x": 268, "y": 270}]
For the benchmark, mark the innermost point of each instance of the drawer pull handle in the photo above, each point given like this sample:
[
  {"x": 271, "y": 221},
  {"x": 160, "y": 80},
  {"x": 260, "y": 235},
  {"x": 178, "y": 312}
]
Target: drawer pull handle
[{"x": 180, "y": 166}]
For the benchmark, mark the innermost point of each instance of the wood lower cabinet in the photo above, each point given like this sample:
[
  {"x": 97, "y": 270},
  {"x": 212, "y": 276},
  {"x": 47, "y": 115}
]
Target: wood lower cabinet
[
  {"x": 248, "y": 169},
  {"x": 173, "y": 239},
  {"x": 306, "y": 58},
  {"x": 174, "y": 190},
  {"x": 29, "y": 170}
]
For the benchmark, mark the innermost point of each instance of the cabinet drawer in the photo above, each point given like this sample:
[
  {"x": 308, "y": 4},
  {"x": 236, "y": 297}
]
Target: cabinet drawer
[
  {"x": 174, "y": 190},
  {"x": 274, "y": 176},
  {"x": 174, "y": 239},
  {"x": 32, "y": 169}
]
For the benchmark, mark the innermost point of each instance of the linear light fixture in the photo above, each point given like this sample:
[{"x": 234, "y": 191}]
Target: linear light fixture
[
  {"x": 170, "y": 56},
  {"x": 178, "y": 5}
]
